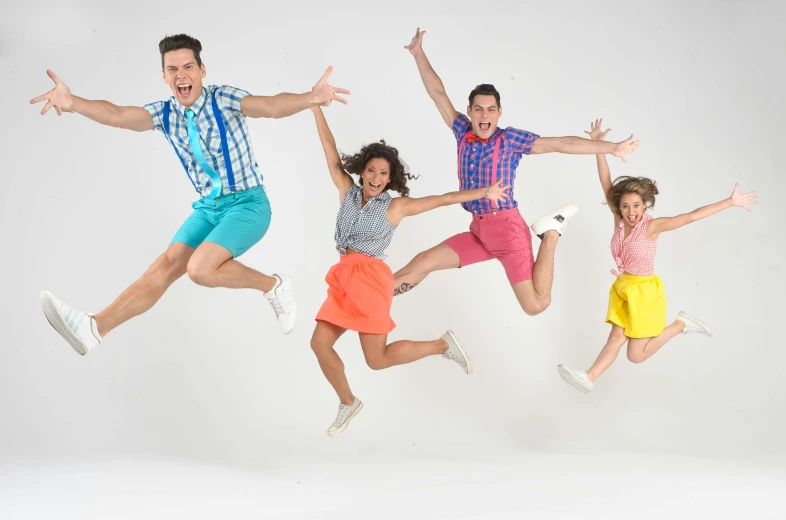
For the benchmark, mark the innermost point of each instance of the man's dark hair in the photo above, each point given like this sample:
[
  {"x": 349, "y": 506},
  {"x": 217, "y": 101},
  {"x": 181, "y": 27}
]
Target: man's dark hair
[
  {"x": 177, "y": 42},
  {"x": 484, "y": 90}
]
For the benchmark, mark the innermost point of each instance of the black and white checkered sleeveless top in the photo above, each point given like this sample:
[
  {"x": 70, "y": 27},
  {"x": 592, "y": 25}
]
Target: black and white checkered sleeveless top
[{"x": 365, "y": 230}]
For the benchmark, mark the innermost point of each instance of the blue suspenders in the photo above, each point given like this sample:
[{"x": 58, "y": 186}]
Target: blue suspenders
[{"x": 221, "y": 130}]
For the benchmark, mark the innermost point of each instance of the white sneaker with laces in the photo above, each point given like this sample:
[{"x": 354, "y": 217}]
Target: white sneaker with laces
[
  {"x": 282, "y": 299},
  {"x": 556, "y": 220},
  {"x": 575, "y": 378},
  {"x": 75, "y": 326},
  {"x": 345, "y": 414},
  {"x": 456, "y": 352},
  {"x": 692, "y": 325}
]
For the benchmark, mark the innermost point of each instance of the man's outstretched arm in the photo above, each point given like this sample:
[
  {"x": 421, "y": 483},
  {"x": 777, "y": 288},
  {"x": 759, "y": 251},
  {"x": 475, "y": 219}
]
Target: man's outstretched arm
[
  {"x": 579, "y": 145},
  {"x": 104, "y": 112},
  {"x": 432, "y": 82},
  {"x": 285, "y": 104}
]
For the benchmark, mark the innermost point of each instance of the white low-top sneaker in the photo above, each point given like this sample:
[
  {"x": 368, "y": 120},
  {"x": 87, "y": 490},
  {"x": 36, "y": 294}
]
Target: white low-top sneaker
[
  {"x": 692, "y": 325},
  {"x": 456, "y": 352},
  {"x": 556, "y": 220},
  {"x": 345, "y": 414},
  {"x": 575, "y": 378},
  {"x": 282, "y": 299},
  {"x": 75, "y": 326}
]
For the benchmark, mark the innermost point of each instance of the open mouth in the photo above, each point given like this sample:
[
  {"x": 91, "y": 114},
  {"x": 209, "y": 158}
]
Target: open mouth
[
  {"x": 632, "y": 219},
  {"x": 374, "y": 188},
  {"x": 184, "y": 90},
  {"x": 484, "y": 127}
]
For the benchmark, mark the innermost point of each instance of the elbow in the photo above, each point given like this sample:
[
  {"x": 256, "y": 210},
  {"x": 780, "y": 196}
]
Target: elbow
[{"x": 562, "y": 145}]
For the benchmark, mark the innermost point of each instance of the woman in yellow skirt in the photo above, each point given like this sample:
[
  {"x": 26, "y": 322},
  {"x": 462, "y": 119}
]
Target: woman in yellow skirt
[
  {"x": 637, "y": 300},
  {"x": 360, "y": 285}
]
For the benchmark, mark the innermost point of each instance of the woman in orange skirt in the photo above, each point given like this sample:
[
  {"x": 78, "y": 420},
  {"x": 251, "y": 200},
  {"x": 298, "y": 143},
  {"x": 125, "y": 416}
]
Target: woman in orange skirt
[{"x": 360, "y": 286}]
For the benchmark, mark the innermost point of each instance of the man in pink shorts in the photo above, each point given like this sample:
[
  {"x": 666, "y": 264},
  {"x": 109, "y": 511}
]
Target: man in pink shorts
[{"x": 486, "y": 154}]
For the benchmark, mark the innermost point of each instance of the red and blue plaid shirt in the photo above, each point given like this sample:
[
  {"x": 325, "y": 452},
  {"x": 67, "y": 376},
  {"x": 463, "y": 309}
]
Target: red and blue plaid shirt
[{"x": 475, "y": 162}]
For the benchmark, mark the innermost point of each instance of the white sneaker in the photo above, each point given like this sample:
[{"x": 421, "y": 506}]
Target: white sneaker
[
  {"x": 75, "y": 326},
  {"x": 693, "y": 325},
  {"x": 282, "y": 298},
  {"x": 345, "y": 414},
  {"x": 576, "y": 379},
  {"x": 556, "y": 221},
  {"x": 456, "y": 352}
]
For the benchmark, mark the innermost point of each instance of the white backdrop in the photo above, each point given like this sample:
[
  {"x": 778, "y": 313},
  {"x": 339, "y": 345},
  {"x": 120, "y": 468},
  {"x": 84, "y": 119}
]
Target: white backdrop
[{"x": 206, "y": 375}]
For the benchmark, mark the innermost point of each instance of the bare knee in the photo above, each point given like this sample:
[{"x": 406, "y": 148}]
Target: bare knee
[
  {"x": 376, "y": 362},
  {"x": 166, "y": 269},
  {"x": 201, "y": 274},
  {"x": 433, "y": 259},
  {"x": 535, "y": 307},
  {"x": 635, "y": 357},
  {"x": 617, "y": 334},
  {"x": 318, "y": 347}
]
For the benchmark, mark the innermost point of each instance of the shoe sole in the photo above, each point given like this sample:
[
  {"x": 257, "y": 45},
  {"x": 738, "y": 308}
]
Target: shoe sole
[
  {"x": 346, "y": 423},
  {"x": 569, "y": 378},
  {"x": 464, "y": 354},
  {"x": 294, "y": 321},
  {"x": 56, "y": 321},
  {"x": 572, "y": 209},
  {"x": 697, "y": 322}
]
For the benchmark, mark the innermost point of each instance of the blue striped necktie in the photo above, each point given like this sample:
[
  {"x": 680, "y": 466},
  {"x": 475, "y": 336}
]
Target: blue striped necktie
[{"x": 196, "y": 147}]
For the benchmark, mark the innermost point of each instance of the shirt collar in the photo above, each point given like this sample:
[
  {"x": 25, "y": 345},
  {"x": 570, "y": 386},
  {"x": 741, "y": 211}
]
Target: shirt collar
[
  {"x": 382, "y": 196},
  {"x": 196, "y": 107}
]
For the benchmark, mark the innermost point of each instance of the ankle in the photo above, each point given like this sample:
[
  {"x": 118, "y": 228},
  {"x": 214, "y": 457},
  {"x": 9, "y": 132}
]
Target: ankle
[
  {"x": 99, "y": 325},
  {"x": 442, "y": 346},
  {"x": 271, "y": 282}
]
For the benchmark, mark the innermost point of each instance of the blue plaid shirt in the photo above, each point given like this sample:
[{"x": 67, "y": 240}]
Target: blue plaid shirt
[
  {"x": 244, "y": 165},
  {"x": 476, "y": 159}
]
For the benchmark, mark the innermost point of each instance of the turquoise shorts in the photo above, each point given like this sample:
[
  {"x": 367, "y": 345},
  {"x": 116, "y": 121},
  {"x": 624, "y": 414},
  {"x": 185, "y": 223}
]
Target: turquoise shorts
[{"x": 235, "y": 221}]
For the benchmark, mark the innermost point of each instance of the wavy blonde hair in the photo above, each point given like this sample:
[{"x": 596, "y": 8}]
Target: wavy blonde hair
[{"x": 645, "y": 187}]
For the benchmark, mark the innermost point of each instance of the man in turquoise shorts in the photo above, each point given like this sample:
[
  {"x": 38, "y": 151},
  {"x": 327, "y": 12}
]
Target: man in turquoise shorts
[{"x": 207, "y": 128}]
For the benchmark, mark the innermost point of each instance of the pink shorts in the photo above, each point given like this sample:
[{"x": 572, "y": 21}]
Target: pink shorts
[{"x": 504, "y": 236}]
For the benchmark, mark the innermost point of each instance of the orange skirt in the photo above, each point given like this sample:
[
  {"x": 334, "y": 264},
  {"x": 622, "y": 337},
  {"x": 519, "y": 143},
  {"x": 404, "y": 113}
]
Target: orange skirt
[{"x": 360, "y": 294}]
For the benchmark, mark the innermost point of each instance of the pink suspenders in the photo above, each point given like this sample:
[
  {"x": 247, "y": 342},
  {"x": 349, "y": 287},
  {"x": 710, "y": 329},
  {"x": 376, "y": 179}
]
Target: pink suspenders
[{"x": 494, "y": 164}]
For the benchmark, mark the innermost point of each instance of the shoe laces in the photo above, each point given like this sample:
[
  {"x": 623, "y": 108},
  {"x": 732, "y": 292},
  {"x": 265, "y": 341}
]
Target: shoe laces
[
  {"x": 453, "y": 357},
  {"x": 342, "y": 412},
  {"x": 282, "y": 301},
  {"x": 276, "y": 303}
]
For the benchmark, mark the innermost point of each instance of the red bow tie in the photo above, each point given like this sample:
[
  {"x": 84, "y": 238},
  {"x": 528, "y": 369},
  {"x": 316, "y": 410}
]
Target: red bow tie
[{"x": 471, "y": 138}]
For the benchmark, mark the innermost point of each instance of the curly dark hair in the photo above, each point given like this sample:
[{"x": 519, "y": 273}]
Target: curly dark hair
[
  {"x": 399, "y": 174},
  {"x": 177, "y": 42},
  {"x": 645, "y": 187}
]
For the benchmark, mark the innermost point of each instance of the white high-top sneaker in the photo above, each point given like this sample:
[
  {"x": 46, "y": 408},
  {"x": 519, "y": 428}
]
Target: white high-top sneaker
[
  {"x": 75, "y": 326},
  {"x": 345, "y": 414},
  {"x": 282, "y": 299},
  {"x": 575, "y": 378},
  {"x": 456, "y": 352},
  {"x": 692, "y": 325},
  {"x": 556, "y": 220}
]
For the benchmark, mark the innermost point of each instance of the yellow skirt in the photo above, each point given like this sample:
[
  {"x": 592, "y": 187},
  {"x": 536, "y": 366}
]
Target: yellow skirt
[{"x": 638, "y": 305}]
